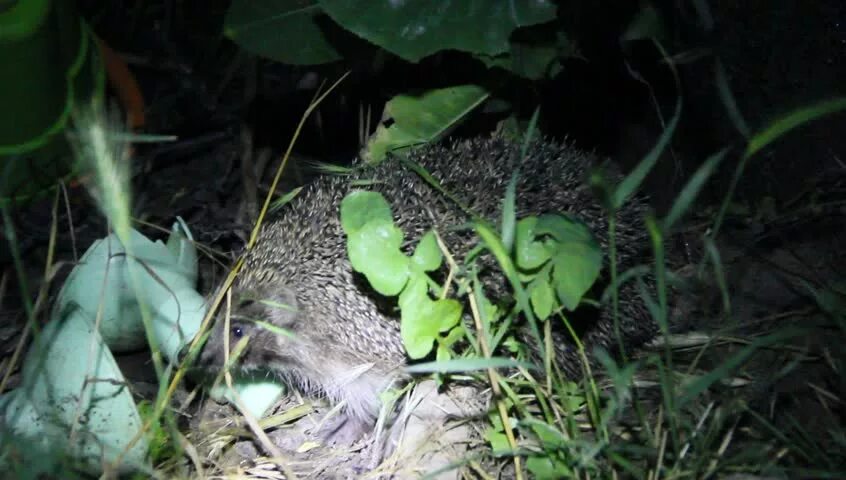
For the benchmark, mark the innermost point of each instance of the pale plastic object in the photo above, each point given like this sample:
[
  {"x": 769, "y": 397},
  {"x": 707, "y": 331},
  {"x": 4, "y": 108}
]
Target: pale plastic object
[
  {"x": 74, "y": 399},
  {"x": 257, "y": 395},
  {"x": 176, "y": 309},
  {"x": 166, "y": 275}
]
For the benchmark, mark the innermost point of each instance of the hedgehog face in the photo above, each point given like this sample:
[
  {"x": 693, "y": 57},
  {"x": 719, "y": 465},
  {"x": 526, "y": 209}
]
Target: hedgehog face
[{"x": 265, "y": 322}]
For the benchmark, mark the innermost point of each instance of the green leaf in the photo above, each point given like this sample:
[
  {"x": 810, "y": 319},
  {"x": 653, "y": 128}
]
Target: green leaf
[
  {"x": 529, "y": 254},
  {"x": 536, "y": 61},
  {"x": 427, "y": 256},
  {"x": 563, "y": 228},
  {"x": 453, "y": 336},
  {"x": 551, "y": 438},
  {"x": 284, "y": 199},
  {"x": 282, "y": 30},
  {"x": 498, "y": 441},
  {"x": 50, "y": 66},
  {"x": 422, "y": 319},
  {"x": 374, "y": 251},
  {"x": 495, "y": 246},
  {"x": 545, "y": 468},
  {"x": 443, "y": 354},
  {"x": 793, "y": 120},
  {"x": 414, "y": 30},
  {"x": 509, "y": 212},
  {"x": 360, "y": 207},
  {"x": 274, "y": 329},
  {"x": 530, "y": 133},
  {"x": 645, "y": 25},
  {"x": 632, "y": 181},
  {"x": 446, "y": 313},
  {"x": 572, "y": 396},
  {"x": 691, "y": 189},
  {"x": 577, "y": 266},
  {"x": 721, "y": 81},
  {"x": 543, "y": 297},
  {"x": 576, "y": 257},
  {"x": 534, "y": 53},
  {"x": 422, "y": 119}
]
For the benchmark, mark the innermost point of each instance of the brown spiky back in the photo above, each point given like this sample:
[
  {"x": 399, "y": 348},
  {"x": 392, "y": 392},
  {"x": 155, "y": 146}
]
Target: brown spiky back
[{"x": 341, "y": 321}]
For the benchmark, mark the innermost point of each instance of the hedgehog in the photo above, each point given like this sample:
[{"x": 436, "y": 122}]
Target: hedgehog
[{"x": 342, "y": 339}]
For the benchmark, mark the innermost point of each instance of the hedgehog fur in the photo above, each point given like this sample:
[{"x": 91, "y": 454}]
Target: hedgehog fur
[{"x": 344, "y": 340}]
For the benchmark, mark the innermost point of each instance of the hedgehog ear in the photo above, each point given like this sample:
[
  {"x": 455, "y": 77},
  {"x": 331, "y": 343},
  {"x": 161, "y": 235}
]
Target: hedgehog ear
[{"x": 280, "y": 305}]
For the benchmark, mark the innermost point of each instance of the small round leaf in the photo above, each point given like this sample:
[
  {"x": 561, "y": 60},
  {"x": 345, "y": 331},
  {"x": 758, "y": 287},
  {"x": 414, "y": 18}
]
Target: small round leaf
[
  {"x": 360, "y": 207},
  {"x": 427, "y": 255},
  {"x": 374, "y": 251},
  {"x": 542, "y": 297},
  {"x": 576, "y": 267}
]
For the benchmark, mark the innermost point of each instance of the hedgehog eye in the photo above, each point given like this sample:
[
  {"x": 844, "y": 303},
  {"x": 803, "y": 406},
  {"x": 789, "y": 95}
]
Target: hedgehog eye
[{"x": 237, "y": 332}]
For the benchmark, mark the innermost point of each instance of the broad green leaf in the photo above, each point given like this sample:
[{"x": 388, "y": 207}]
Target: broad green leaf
[
  {"x": 529, "y": 253},
  {"x": 414, "y": 30},
  {"x": 563, "y": 228},
  {"x": 577, "y": 266},
  {"x": 427, "y": 256},
  {"x": 443, "y": 354},
  {"x": 422, "y": 119},
  {"x": 282, "y": 30},
  {"x": 50, "y": 66},
  {"x": 536, "y": 61},
  {"x": 498, "y": 441},
  {"x": 645, "y": 25},
  {"x": 545, "y": 468},
  {"x": 360, "y": 207},
  {"x": 445, "y": 312},
  {"x": 391, "y": 139},
  {"x": 534, "y": 54},
  {"x": 577, "y": 259},
  {"x": 551, "y": 438},
  {"x": 374, "y": 251},
  {"x": 572, "y": 397},
  {"x": 453, "y": 336},
  {"x": 422, "y": 319},
  {"x": 543, "y": 297}
]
